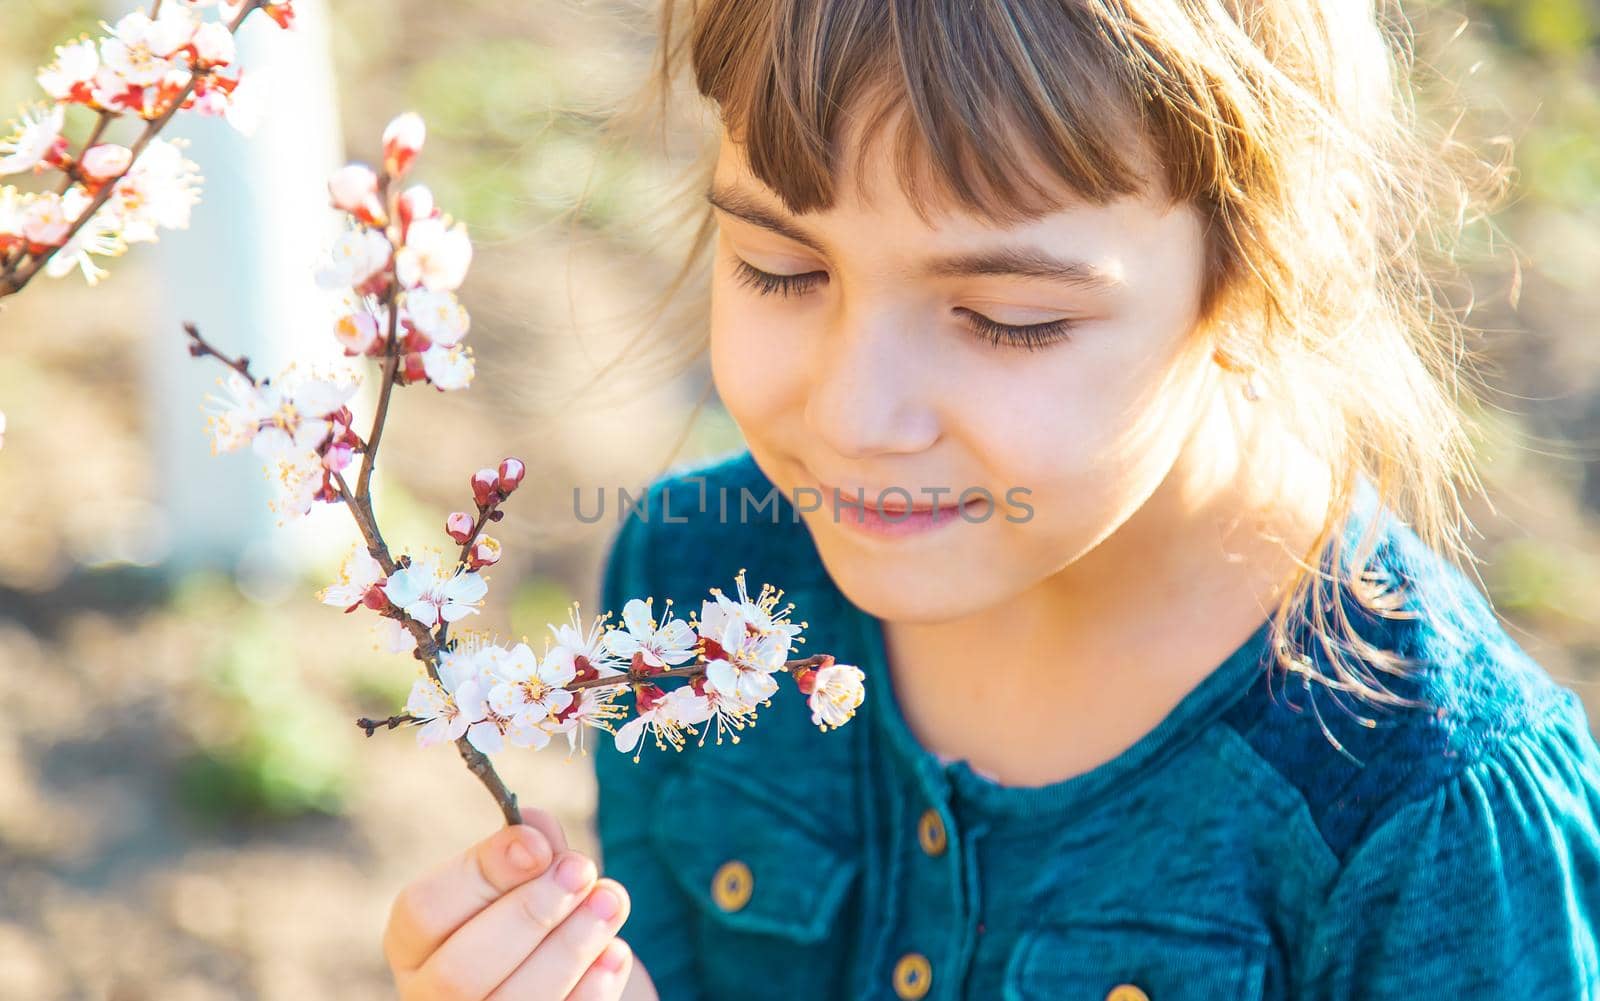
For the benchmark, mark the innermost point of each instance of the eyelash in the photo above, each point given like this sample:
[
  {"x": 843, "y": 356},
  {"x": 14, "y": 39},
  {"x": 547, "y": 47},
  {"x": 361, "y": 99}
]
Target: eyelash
[{"x": 1030, "y": 337}]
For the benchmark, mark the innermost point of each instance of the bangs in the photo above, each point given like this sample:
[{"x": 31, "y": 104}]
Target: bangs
[{"x": 974, "y": 95}]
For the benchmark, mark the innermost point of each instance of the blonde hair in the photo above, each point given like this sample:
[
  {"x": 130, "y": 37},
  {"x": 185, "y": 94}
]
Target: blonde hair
[{"x": 1332, "y": 215}]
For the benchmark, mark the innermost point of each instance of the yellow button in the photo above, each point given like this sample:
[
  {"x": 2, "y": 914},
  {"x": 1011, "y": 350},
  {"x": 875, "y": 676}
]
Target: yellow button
[
  {"x": 1127, "y": 992},
  {"x": 913, "y": 975},
  {"x": 930, "y": 833},
  {"x": 732, "y": 885}
]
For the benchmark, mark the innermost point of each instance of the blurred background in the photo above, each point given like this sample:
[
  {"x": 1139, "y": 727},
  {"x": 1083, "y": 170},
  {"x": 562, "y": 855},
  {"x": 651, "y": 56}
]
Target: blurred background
[{"x": 186, "y": 808}]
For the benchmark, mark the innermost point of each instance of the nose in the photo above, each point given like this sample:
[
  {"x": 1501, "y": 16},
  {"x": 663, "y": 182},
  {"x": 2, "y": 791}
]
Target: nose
[{"x": 866, "y": 396}]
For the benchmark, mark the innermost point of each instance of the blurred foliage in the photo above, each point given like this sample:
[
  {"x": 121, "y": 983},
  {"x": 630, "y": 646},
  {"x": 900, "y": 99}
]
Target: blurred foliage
[{"x": 266, "y": 744}]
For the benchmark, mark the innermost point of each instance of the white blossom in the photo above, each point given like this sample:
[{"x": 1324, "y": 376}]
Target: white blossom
[
  {"x": 235, "y": 419},
  {"x": 72, "y": 71},
  {"x": 679, "y": 710},
  {"x": 358, "y": 572},
  {"x": 214, "y": 44},
  {"x": 100, "y": 234},
  {"x": 449, "y": 367},
  {"x": 672, "y": 643},
  {"x": 357, "y": 256},
  {"x": 429, "y": 593},
  {"x": 158, "y": 191},
  {"x": 27, "y": 147},
  {"x": 446, "y": 715},
  {"x": 529, "y": 692},
  {"x": 299, "y": 476},
  {"x": 138, "y": 49},
  {"x": 435, "y": 256},
  {"x": 437, "y": 315},
  {"x": 838, "y": 691}
]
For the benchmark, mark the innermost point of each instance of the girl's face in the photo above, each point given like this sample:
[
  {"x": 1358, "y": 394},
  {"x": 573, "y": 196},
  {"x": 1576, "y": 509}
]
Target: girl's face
[{"x": 860, "y": 349}]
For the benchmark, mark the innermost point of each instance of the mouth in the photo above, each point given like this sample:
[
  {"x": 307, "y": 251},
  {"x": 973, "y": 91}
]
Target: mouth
[{"x": 892, "y": 511}]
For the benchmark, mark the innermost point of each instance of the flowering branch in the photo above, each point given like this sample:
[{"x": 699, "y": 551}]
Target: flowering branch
[
  {"x": 401, "y": 262},
  {"x": 151, "y": 66}
]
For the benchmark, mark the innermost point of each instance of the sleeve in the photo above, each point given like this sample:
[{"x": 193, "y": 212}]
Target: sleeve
[
  {"x": 1486, "y": 889},
  {"x": 659, "y": 921}
]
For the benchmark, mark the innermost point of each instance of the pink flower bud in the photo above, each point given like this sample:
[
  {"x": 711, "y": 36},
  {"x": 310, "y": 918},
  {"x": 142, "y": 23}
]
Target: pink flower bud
[
  {"x": 459, "y": 526},
  {"x": 416, "y": 202},
  {"x": 353, "y": 188},
  {"x": 105, "y": 161},
  {"x": 648, "y": 696},
  {"x": 511, "y": 473},
  {"x": 412, "y": 368},
  {"x": 376, "y": 598},
  {"x": 485, "y": 486},
  {"x": 806, "y": 678},
  {"x": 414, "y": 340},
  {"x": 402, "y": 140},
  {"x": 485, "y": 552},
  {"x": 337, "y": 457}
]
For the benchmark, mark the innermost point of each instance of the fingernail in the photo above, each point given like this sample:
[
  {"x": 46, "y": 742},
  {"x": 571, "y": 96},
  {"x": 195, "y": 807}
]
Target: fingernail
[
  {"x": 604, "y": 903},
  {"x": 518, "y": 852},
  {"x": 611, "y": 960},
  {"x": 573, "y": 873}
]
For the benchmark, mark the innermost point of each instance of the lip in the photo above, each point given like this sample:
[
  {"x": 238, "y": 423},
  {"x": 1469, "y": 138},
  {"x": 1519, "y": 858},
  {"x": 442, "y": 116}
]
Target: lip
[{"x": 892, "y": 521}]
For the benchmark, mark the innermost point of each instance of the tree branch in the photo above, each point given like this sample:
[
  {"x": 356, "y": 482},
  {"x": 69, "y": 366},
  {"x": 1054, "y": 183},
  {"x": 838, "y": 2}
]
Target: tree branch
[{"x": 19, "y": 273}]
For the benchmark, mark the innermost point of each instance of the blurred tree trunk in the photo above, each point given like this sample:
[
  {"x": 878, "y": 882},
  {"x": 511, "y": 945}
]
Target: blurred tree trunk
[{"x": 243, "y": 272}]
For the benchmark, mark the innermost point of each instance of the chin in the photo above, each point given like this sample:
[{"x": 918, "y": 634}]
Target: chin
[{"x": 927, "y": 585}]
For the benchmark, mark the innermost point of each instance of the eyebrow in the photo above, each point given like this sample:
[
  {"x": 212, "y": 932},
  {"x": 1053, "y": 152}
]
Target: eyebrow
[{"x": 1018, "y": 262}]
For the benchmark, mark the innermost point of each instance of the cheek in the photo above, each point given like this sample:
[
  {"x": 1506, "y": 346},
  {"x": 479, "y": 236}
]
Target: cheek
[
  {"x": 757, "y": 360},
  {"x": 1089, "y": 432}
]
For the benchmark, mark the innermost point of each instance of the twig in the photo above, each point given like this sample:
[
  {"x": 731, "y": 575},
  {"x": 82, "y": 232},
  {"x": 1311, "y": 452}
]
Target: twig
[
  {"x": 199, "y": 347},
  {"x": 635, "y": 677},
  {"x": 374, "y": 725},
  {"x": 391, "y": 365},
  {"x": 391, "y": 362}
]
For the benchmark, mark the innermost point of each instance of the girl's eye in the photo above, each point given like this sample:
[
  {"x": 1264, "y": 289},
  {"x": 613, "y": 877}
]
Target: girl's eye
[
  {"x": 1032, "y": 336},
  {"x": 770, "y": 284}
]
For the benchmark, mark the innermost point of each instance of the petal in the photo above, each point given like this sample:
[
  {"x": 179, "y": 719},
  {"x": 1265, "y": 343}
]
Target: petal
[
  {"x": 454, "y": 611},
  {"x": 486, "y": 737},
  {"x": 432, "y": 733},
  {"x": 637, "y": 618},
  {"x": 629, "y": 733},
  {"x": 466, "y": 587},
  {"x": 723, "y": 677},
  {"x": 622, "y": 644}
]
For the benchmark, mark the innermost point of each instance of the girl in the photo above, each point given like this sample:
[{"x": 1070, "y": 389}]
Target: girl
[{"x": 1100, "y": 407}]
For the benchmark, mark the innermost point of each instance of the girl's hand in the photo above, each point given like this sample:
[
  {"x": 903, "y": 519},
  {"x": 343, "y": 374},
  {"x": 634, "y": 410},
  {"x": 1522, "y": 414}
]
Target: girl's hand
[{"x": 517, "y": 916}]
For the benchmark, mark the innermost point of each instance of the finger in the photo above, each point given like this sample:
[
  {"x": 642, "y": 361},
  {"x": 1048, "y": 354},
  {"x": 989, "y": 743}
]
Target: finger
[
  {"x": 427, "y": 911},
  {"x": 483, "y": 952},
  {"x": 606, "y": 977},
  {"x": 560, "y": 961},
  {"x": 546, "y": 823}
]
